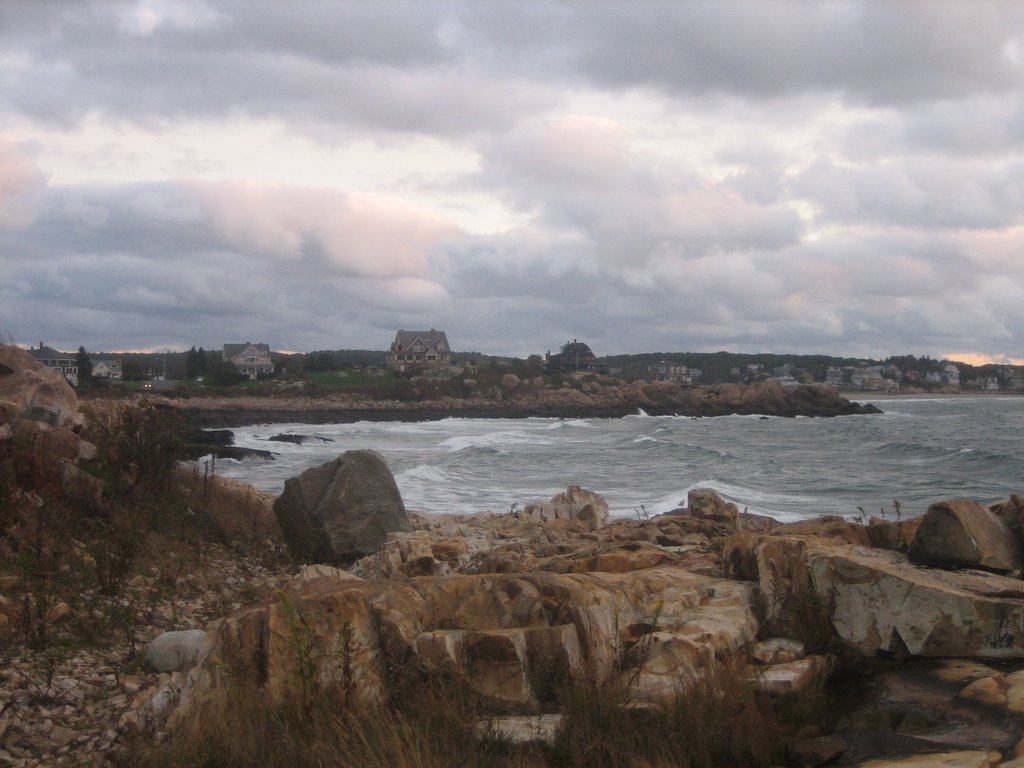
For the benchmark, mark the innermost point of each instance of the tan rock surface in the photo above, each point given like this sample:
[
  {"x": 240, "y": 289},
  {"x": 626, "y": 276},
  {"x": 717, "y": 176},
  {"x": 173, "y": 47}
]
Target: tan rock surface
[
  {"x": 30, "y": 390},
  {"x": 877, "y": 601},
  {"x": 505, "y": 634}
]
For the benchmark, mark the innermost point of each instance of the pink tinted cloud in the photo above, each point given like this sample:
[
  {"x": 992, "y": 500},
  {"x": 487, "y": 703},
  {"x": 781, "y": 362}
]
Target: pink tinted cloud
[
  {"x": 21, "y": 181},
  {"x": 357, "y": 235}
]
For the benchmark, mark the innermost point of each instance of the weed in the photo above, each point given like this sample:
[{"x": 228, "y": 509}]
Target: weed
[{"x": 303, "y": 648}]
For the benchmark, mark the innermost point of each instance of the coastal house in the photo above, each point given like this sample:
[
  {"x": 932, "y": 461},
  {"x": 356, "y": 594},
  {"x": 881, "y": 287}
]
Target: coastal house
[
  {"x": 834, "y": 376},
  {"x": 65, "y": 363},
  {"x": 950, "y": 374},
  {"x": 419, "y": 349},
  {"x": 107, "y": 369},
  {"x": 1012, "y": 378},
  {"x": 666, "y": 371},
  {"x": 251, "y": 360},
  {"x": 785, "y": 381},
  {"x": 575, "y": 357}
]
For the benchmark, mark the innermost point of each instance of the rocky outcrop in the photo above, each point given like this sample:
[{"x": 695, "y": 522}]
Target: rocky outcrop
[
  {"x": 511, "y": 604},
  {"x": 876, "y": 602},
  {"x": 30, "y": 390},
  {"x": 589, "y": 508},
  {"x": 342, "y": 510},
  {"x": 509, "y": 636},
  {"x": 964, "y": 534},
  {"x": 512, "y": 398}
]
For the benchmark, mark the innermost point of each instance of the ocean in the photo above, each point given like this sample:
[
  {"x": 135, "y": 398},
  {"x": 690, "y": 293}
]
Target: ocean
[{"x": 920, "y": 450}]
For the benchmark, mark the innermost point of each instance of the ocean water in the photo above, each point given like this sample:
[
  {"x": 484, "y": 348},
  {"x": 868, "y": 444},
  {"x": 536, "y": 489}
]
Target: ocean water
[{"x": 919, "y": 451}]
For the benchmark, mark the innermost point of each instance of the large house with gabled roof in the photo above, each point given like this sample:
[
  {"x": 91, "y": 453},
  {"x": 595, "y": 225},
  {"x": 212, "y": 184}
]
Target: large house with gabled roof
[
  {"x": 251, "y": 360},
  {"x": 419, "y": 349},
  {"x": 575, "y": 357},
  {"x": 65, "y": 363}
]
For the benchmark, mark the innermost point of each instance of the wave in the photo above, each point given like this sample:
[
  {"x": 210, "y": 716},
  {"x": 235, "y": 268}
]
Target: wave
[
  {"x": 424, "y": 472},
  {"x": 647, "y": 439},
  {"x": 570, "y": 423},
  {"x": 493, "y": 441}
]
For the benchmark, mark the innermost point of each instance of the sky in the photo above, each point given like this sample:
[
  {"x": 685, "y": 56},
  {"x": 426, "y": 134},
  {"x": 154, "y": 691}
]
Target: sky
[{"x": 791, "y": 177}]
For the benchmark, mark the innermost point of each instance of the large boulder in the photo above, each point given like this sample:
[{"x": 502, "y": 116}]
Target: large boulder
[
  {"x": 341, "y": 510},
  {"x": 876, "y": 603},
  {"x": 964, "y": 534},
  {"x": 30, "y": 390}
]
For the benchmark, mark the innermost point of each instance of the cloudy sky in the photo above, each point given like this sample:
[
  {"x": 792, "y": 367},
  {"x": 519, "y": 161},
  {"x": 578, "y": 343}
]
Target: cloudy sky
[{"x": 804, "y": 177}]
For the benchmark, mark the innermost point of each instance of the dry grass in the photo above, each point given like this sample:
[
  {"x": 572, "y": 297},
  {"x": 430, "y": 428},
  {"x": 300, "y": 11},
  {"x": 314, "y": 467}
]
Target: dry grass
[
  {"x": 717, "y": 719},
  {"x": 234, "y": 728}
]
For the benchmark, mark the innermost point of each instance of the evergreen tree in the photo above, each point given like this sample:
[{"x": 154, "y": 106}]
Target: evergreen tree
[
  {"x": 84, "y": 368},
  {"x": 191, "y": 363}
]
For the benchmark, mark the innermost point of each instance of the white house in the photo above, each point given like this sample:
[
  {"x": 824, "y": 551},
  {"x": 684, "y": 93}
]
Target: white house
[{"x": 107, "y": 369}]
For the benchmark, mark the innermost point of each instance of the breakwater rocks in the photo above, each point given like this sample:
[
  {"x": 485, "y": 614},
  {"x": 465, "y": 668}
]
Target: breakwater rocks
[{"x": 516, "y": 398}]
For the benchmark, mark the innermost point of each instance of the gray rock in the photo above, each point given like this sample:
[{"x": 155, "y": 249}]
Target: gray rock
[
  {"x": 176, "y": 651},
  {"x": 341, "y": 510}
]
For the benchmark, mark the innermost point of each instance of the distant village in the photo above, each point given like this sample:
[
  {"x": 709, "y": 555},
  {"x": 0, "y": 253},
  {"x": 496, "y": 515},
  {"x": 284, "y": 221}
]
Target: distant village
[{"x": 428, "y": 353}]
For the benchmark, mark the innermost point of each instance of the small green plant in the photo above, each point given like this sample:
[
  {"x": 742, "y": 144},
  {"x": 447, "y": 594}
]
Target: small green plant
[{"x": 303, "y": 647}]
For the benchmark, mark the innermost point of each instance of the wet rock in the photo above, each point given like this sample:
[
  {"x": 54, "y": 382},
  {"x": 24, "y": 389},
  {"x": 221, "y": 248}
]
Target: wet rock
[{"x": 299, "y": 439}]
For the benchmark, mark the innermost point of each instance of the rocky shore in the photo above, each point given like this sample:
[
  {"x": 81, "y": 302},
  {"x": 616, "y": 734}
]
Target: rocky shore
[
  {"x": 882, "y": 643},
  {"x": 519, "y": 398},
  {"x": 924, "y": 614}
]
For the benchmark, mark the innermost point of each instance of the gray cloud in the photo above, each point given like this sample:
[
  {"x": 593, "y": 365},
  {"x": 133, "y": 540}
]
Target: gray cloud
[{"x": 829, "y": 177}]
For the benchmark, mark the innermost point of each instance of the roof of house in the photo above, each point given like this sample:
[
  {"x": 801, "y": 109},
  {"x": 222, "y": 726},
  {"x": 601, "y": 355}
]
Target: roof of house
[
  {"x": 574, "y": 348},
  {"x": 49, "y": 353},
  {"x": 405, "y": 339},
  {"x": 234, "y": 350}
]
